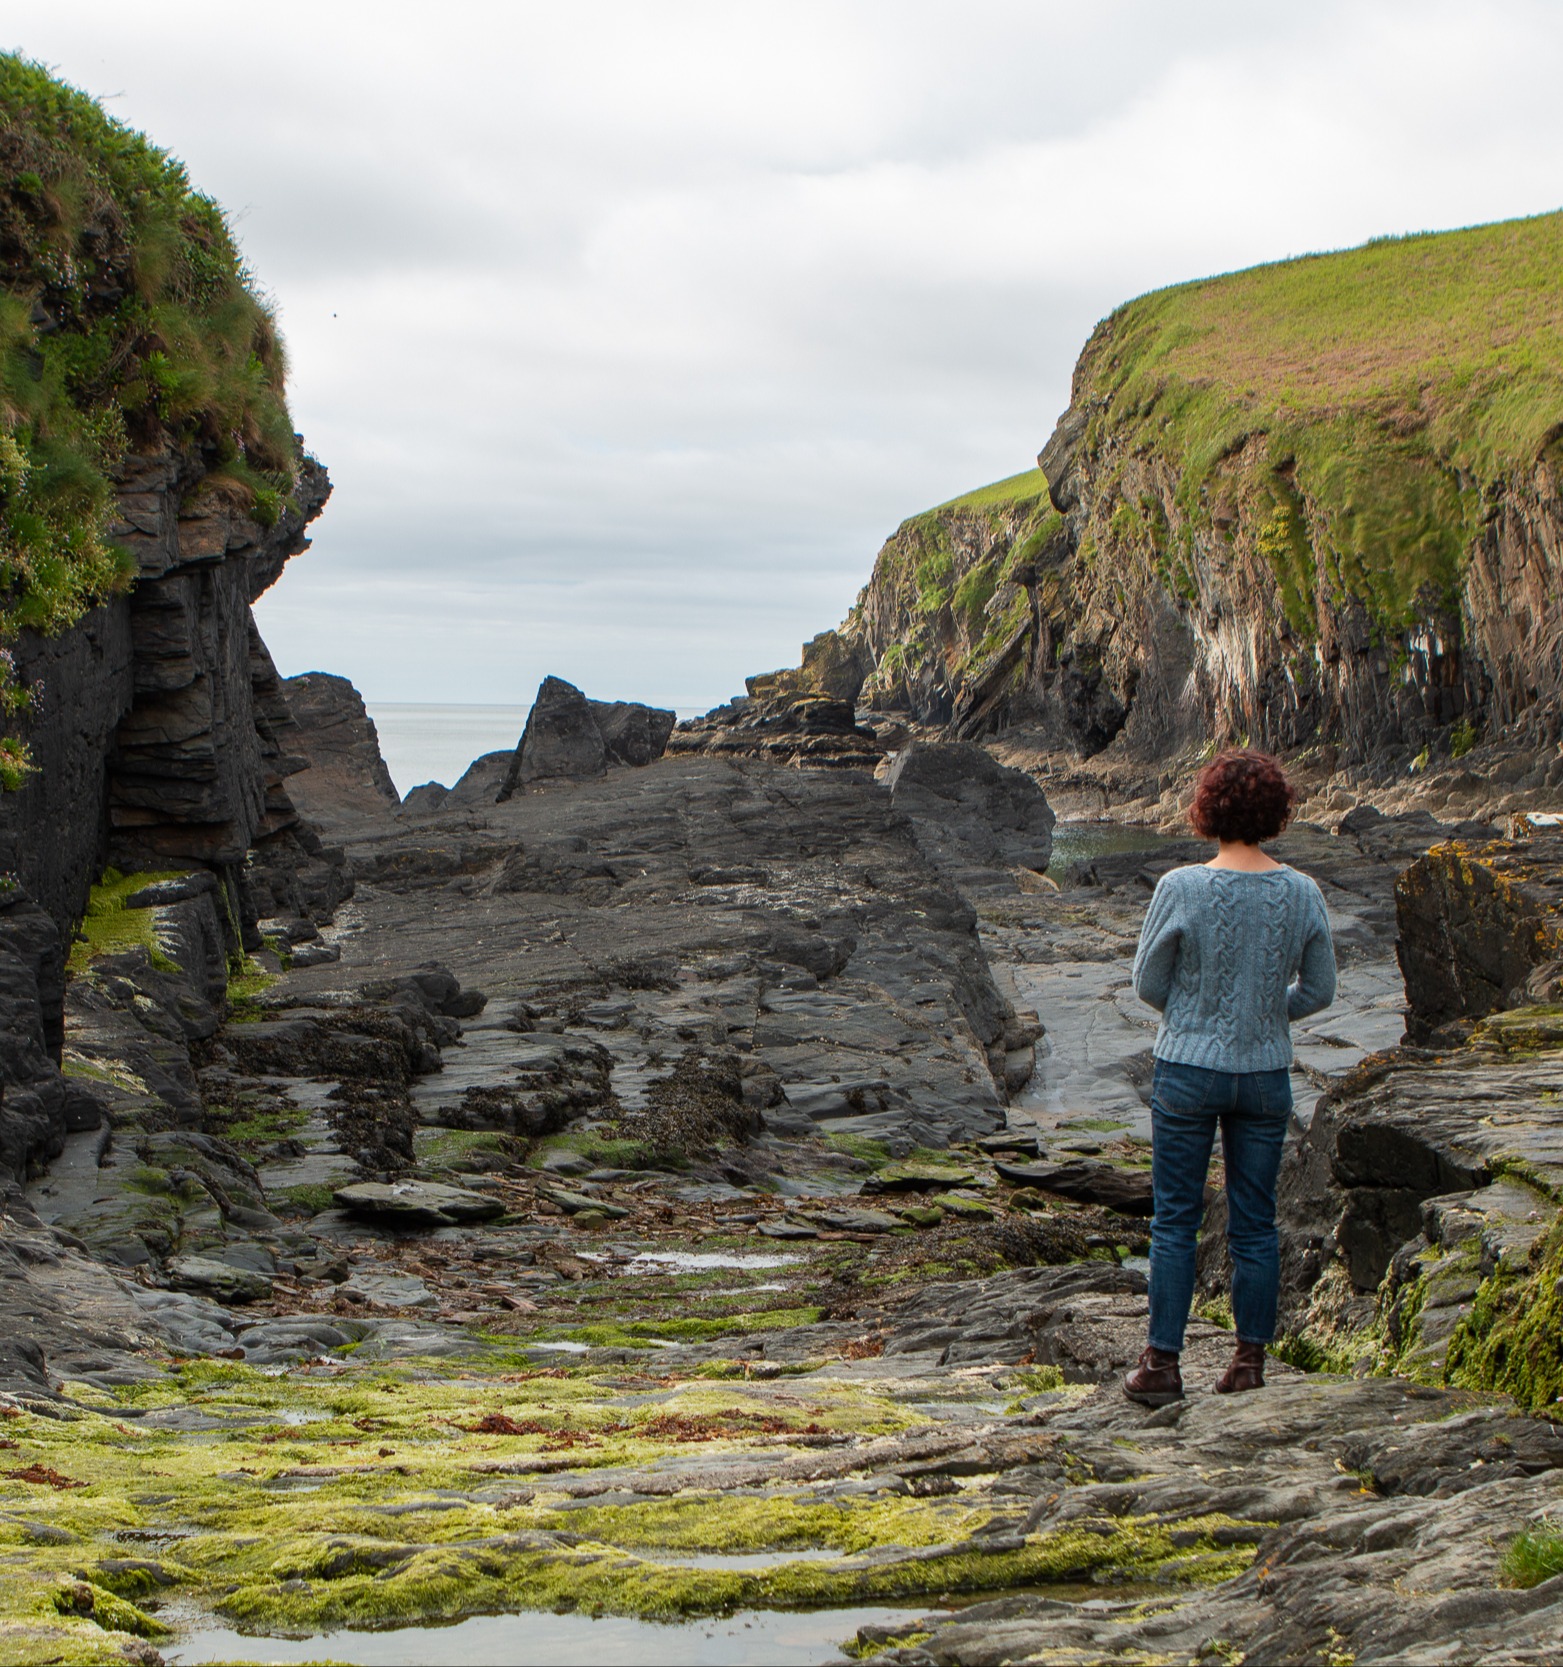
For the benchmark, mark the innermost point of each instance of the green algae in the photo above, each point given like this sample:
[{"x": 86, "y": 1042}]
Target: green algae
[
  {"x": 1512, "y": 1338},
  {"x": 109, "y": 928},
  {"x": 422, "y": 1493}
]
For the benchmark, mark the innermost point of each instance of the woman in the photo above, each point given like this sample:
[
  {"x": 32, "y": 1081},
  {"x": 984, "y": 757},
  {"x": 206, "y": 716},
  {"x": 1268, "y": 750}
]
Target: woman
[{"x": 1232, "y": 951}]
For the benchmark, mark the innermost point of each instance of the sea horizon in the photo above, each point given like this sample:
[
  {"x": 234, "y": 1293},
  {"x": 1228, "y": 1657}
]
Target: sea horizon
[{"x": 424, "y": 741}]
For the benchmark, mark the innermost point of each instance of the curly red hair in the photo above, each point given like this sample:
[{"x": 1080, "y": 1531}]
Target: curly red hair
[{"x": 1242, "y": 795}]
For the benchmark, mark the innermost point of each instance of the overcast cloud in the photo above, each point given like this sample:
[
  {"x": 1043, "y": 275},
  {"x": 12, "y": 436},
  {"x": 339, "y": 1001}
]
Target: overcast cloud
[{"x": 629, "y": 329}]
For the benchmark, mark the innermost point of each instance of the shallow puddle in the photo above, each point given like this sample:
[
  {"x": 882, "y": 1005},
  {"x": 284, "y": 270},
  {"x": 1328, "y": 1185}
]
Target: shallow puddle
[
  {"x": 689, "y": 1261},
  {"x": 763, "y": 1638},
  {"x": 1076, "y": 841}
]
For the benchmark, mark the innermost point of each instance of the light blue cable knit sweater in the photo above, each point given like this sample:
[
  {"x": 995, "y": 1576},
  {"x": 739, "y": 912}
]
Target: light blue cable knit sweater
[{"x": 1230, "y": 958}]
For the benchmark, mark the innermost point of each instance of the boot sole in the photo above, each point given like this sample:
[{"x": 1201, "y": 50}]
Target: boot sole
[{"x": 1154, "y": 1397}]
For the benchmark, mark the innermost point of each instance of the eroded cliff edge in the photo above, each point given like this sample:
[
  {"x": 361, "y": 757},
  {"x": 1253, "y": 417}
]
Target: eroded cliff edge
[
  {"x": 1313, "y": 505},
  {"x": 151, "y": 488}
]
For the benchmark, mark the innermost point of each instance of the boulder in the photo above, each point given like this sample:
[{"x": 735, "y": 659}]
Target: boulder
[
  {"x": 632, "y": 733},
  {"x": 833, "y": 666},
  {"x": 561, "y": 740},
  {"x": 347, "y": 776},
  {"x": 480, "y": 783},
  {"x": 426, "y": 796},
  {"x": 970, "y": 810},
  {"x": 416, "y": 1203},
  {"x": 1477, "y": 927},
  {"x": 1088, "y": 1182}
]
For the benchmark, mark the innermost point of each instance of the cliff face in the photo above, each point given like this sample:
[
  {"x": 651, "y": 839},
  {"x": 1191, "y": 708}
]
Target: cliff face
[
  {"x": 160, "y": 731},
  {"x": 1316, "y": 503},
  {"x": 151, "y": 487}
]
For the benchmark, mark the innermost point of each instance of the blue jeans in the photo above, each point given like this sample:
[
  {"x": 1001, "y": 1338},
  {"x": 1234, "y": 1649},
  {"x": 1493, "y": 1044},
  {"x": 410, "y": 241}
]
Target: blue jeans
[{"x": 1187, "y": 1103}]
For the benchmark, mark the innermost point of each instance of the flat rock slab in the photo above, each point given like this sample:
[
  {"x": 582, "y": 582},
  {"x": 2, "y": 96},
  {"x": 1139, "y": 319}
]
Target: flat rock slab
[
  {"x": 220, "y": 1279},
  {"x": 390, "y": 1290},
  {"x": 857, "y": 1221},
  {"x": 917, "y": 1177},
  {"x": 416, "y": 1203},
  {"x": 1088, "y": 1182}
]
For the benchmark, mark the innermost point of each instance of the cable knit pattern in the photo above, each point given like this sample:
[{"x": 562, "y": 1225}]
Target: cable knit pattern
[{"x": 1231, "y": 958}]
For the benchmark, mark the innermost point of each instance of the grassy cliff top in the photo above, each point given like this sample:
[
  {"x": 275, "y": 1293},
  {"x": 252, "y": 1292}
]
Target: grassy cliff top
[
  {"x": 1026, "y": 487},
  {"x": 127, "y": 320},
  {"x": 1393, "y": 388},
  {"x": 1455, "y": 334}
]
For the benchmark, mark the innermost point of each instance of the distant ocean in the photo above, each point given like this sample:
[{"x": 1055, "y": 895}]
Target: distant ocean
[{"x": 437, "y": 743}]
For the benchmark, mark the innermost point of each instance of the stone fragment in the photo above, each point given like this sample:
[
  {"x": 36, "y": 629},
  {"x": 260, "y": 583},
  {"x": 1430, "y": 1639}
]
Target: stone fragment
[
  {"x": 1088, "y": 1182},
  {"x": 922, "y": 1215},
  {"x": 1015, "y": 1141},
  {"x": 575, "y": 1203},
  {"x": 956, "y": 1204},
  {"x": 788, "y": 1230},
  {"x": 918, "y": 1177},
  {"x": 562, "y": 1161},
  {"x": 218, "y": 1279},
  {"x": 416, "y": 1203},
  {"x": 855, "y": 1221}
]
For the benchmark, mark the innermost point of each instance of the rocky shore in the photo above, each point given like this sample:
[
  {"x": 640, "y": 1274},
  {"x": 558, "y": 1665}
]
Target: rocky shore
[{"x": 703, "y": 1185}]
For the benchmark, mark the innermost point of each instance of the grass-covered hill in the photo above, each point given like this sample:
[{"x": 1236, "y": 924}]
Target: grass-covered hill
[
  {"x": 128, "y": 322},
  {"x": 1310, "y": 500},
  {"x": 1398, "y": 387}
]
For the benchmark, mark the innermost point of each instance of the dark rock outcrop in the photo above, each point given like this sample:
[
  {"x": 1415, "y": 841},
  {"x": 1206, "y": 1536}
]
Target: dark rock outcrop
[
  {"x": 631, "y": 733},
  {"x": 834, "y": 665},
  {"x": 161, "y": 735},
  {"x": 808, "y": 729},
  {"x": 1481, "y": 928},
  {"x": 561, "y": 739},
  {"x": 346, "y": 776},
  {"x": 481, "y": 781},
  {"x": 32, "y": 1091},
  {"x": 970, "y": 810},
  {"x": 570, "y": 738}
]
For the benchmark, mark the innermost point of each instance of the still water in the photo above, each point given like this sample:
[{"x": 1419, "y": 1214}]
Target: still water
[{"x": 761, "y": 1637}]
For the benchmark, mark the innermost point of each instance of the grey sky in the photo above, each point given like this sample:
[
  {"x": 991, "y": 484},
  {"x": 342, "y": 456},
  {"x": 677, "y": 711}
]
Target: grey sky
[{"x": 628, "y": 331}]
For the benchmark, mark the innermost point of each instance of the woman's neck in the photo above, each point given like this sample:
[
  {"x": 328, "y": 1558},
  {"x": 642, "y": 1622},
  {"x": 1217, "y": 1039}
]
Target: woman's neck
[{"x": 1234, "y": 853}]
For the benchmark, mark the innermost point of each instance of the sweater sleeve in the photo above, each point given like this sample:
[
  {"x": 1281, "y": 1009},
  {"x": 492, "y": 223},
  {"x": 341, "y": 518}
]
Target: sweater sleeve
[
  {"x": 1315, "y": 986},
  {"x": 1157, "y": 954}
]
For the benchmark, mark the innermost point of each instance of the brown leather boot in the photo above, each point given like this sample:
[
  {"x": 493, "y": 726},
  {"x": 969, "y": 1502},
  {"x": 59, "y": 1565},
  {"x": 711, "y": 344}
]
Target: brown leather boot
[
  {"x": 1156, "y": 1381},
  {"x": 1247, "y": 1370}
]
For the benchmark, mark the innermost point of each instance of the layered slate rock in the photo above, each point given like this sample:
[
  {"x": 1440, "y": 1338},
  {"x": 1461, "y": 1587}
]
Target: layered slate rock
[
  {"x": 834, "y": 665},
  {"x": 809, "y": 729},
  {"x": 347, "y": 775}
]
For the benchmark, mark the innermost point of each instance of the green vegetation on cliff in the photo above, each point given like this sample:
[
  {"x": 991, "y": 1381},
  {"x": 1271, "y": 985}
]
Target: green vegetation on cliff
[
  {"x": 952, "y": 569},
  {"x": 1371, "y": 399},
  {"x": 127, "y": 322}
]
